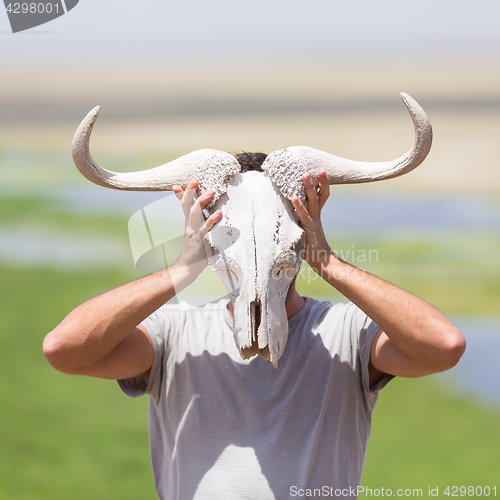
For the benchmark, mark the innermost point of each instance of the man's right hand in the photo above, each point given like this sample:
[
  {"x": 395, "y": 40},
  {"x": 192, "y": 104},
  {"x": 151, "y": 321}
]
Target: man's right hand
[
  {"x": 194, "y": 257},
  {"x": 103, "y": 337}
]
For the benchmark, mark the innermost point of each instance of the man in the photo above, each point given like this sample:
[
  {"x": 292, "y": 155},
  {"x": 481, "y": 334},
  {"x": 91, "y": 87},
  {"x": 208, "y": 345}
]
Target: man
[{"x": 224, "y": 427}]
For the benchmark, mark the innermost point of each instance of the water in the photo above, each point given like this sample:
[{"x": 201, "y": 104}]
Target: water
[
  {"x": 370, "y": 212},
  {"x": 94, "y": 200},
  {"x": 410, "y": 212},
  {"x": 32, "y": 247},
  {"x": 476, "y": 375}
]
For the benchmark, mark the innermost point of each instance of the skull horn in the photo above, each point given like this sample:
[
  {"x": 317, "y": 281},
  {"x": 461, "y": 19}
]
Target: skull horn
[
  {"x": 209, "y": 166},
  {"x": 286, "y": 166}
]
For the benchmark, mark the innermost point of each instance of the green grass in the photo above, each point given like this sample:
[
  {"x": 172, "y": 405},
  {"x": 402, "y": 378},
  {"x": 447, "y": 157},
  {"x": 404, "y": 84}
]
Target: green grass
[
  {"x": 74, "y": 437},
  {"x": 33, "y": 211},
  {"x": 62, "y": 436},
  {"x": 422, "y": 435},
  {"x": 71, "y": 437}
]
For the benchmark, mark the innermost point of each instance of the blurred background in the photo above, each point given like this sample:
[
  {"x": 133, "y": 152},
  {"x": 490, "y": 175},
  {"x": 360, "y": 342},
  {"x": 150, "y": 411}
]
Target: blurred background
[{"x": 248, "y": 76}]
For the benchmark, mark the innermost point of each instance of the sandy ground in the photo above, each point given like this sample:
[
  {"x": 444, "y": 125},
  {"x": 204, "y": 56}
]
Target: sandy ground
[
  {"x": 313, "y": 80},
  {"x": 463, "y": 158},
  {"x": 154, "y": 113}
]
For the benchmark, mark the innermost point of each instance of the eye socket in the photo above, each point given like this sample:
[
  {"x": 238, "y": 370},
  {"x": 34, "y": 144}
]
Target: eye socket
[
  {"x": 277, "y": 272},
  {"x": 217, "y": 262},
  {"x": 284, "y": 270},
  {"x": 228, "y": 272},
  {"x": 286, "y": 266}
]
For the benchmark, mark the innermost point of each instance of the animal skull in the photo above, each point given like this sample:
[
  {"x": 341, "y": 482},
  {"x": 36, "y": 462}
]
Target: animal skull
[
  {"x": 257, "y": 250},
  {"x": 259, "y": 266}
]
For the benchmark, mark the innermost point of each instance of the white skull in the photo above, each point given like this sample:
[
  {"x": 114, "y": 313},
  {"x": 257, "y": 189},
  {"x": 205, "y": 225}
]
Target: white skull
[{"x": 256, "y": 250}]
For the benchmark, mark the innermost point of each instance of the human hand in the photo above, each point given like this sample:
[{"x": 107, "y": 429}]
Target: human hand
[
  {"x": 317, "y": 252},
  {"x": 193, "y": 256}
]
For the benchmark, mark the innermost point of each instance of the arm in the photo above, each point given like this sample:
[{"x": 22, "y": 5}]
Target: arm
[
  {"x": 103, "y": 337},
  {"x": 415, "y": 339}
]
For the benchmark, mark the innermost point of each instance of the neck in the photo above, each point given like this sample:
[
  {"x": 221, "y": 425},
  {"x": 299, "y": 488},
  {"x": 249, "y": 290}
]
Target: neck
[{"x": 293, "y": 303}]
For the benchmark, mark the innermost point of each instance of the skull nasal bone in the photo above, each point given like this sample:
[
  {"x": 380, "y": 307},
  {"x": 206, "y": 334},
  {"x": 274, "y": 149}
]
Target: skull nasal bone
[{"x": 255, "y": 315}]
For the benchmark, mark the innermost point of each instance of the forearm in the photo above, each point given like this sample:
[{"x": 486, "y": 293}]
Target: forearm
[
  {"x": 95, "y": 328},
  {"x": 102, "y": 338},
  {"x": 417, "y": 338},
  {"x": 418, "y": 329}
]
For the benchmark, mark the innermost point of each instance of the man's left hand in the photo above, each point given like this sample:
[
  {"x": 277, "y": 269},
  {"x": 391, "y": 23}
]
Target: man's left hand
[{"x": 317, "y": 252}]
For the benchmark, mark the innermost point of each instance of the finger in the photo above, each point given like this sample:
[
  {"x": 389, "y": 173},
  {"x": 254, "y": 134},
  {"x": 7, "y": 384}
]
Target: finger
[
  {"x": 178, "y": 191},
  {"x": 301, "y": 210},
  {"x": 188, "y": 197},
  {"x": 190, "y": 193},
  {"x": 211, "y": 221},
  {"x": 324, "y": 188},
  {"x": 205, "y": 198},
  {"x": 196, "y": 216},
  {"x": 179, "y": 194},
  {"x": 312, "y": 195}
]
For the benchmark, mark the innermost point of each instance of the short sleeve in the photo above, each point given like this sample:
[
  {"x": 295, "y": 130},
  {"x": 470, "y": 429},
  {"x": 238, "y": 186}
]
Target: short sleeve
[
  {"x": 366, "y": 329},
  {"x": 158, "y": 326}
]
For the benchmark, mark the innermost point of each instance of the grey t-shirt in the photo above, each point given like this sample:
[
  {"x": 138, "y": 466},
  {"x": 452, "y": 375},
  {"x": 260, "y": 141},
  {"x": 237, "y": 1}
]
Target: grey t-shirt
[{"x": 227, "y": 428}]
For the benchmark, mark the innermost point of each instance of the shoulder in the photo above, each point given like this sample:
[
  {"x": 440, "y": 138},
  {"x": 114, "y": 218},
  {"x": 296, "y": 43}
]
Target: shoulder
[
  {"x": 326, "y": 311},
  {"x": 183, "y": 311},
  {"x": 341, "y": 325},
  {"x": 185, "y": 328}
]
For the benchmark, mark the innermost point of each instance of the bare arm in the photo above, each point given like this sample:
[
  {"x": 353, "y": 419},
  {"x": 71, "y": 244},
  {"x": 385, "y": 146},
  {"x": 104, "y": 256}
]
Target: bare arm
[
  {"x": 415, "y": 338},
  {"x": 102, "y": 337}
]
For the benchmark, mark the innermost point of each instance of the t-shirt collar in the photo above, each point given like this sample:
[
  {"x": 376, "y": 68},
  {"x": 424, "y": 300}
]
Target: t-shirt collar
[{"x": 291, "y": 321}]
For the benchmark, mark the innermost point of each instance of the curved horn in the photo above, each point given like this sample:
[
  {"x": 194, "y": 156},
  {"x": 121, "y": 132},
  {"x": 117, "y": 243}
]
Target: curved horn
[
  {"x": 285, "y": 167},
  {"x": 209, "y": 166}
]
